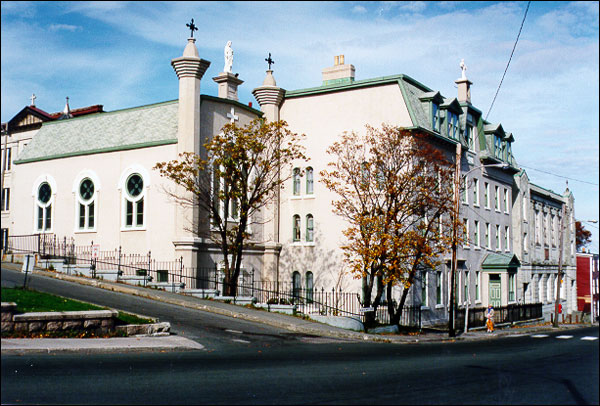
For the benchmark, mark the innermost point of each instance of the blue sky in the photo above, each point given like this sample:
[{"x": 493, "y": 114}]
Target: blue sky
[{"x": 118, "y": 54}]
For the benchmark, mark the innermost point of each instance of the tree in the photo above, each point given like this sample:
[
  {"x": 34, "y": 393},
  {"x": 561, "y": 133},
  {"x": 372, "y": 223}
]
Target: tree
[
  {"x": 238, "y": 176},
  {"x": 394, "y": 189},
  {"x": 583, "y": 237}
]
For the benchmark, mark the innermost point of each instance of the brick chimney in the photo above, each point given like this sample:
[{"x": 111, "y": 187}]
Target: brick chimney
[{"x": 339, "y": 73}]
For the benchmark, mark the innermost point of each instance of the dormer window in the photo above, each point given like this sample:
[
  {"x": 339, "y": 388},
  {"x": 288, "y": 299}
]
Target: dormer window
[
  {"x": 497, "y": 146},
  {"x": 452, "y": 124},
  {"x": 469, "y": 130},
  {"x": 435, "y": 113}
]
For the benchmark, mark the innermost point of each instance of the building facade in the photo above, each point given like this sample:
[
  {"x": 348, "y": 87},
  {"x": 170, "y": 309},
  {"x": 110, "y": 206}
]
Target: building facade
[{"x": 92, "y": 178}]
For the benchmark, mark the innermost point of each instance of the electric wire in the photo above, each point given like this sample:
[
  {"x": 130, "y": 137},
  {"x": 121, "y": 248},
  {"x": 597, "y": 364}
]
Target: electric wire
[
  {"x": 560, "y": 176},
  {"x": 509, "y": 59}
]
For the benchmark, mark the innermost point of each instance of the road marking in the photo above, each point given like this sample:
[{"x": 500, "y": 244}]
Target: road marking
[
  {"x": 234, "y": 331},
  {"x": 240, "y": 341},
  {"x": 564, "y": 337},
  {"x": 540, "y": 335},
  {"x": 588, "y": 338}
]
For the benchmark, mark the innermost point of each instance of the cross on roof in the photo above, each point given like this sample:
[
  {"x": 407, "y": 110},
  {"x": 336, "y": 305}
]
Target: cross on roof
[
  {"x": 33, "y": 99},
  {"x": 232, "y": 116},
  {"x": 192, "y": 27},
  {"x": 269, "y": 61}
]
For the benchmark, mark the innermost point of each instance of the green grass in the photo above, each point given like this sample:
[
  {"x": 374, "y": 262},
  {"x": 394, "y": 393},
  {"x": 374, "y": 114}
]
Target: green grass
[{"x": 29, "y": 300}]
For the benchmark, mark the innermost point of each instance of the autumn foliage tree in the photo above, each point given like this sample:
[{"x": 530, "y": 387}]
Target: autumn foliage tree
[
  {"x": 236, "y": 177},
  {"x": 582, "y": 236},
  {"x": 394, "y": 190}
]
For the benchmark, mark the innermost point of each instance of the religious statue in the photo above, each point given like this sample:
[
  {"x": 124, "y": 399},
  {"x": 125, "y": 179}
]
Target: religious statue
[
  {"x": 463, "y": 68},
  {"x": 228, "y": 57}
]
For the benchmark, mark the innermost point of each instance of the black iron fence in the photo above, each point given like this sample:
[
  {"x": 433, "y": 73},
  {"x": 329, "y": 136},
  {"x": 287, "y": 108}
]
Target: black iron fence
[
  {"x": 209, "y": 281},
  {"x": 504, "y": 314}
]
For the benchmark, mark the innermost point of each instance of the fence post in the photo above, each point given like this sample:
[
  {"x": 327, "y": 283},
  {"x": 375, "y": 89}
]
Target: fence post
[
  {"x": 180, "y": 268},
  {"x": 148, "y": 273},
  {"x": 252, "y": 291},
  {"x": 119, "y": 264}
]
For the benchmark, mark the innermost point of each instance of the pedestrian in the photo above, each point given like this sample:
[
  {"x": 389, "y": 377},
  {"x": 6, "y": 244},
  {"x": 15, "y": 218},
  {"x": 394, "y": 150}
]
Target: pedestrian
[{"x": 489, "y": 315}]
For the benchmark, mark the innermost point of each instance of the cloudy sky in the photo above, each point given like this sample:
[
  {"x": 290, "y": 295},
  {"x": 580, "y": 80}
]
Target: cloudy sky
[{"x": 118, "y": 54}]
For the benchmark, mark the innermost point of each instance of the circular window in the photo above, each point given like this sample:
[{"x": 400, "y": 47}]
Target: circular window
[
  {"x": 86, "y": 189},
  {"x": 44, "y": 193},
  {"x": 135, "y": 185}
]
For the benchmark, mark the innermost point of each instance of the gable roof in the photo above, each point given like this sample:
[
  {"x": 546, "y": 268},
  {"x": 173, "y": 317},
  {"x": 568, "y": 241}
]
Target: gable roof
[
  {"x": 137, "y": 127},
  {"x": 500, "y": 261}
]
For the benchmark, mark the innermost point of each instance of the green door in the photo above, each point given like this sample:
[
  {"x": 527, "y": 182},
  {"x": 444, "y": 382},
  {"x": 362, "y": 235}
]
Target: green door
[{"x": 495, "y": 291}]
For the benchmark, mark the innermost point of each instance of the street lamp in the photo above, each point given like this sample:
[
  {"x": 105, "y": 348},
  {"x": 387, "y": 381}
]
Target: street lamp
[
  {"x": 560, "y": 258},
  {"x": 457, "y": 179}
]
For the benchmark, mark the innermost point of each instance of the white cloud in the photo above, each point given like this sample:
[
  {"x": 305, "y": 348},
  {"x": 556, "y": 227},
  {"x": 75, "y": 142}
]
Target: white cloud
[
  {"x": 359, "y": 9},
  {"x": 65, "y": 27}
]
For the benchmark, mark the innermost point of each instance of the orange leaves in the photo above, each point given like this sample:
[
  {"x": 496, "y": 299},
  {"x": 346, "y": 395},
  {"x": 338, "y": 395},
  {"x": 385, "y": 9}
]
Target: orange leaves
[{"x": 393, "y": 188}]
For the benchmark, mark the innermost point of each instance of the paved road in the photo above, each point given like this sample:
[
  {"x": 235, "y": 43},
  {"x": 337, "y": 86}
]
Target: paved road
[
  {"x": 213, "y": 331},
  {"x": 516, "y": 370}
]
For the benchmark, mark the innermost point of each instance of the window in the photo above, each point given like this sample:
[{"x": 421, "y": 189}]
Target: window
[
  {"x": 296, "y": 181},
  {"x": 44, "y": 207},
  {"x": 309, "y": 286},
  {"x": 486, "y": 195},
  {"x": 6, "y": 164},
  {"x": 497, "y": 146},
  {"x": 162, "y": 275},
  {"x": 525, "y": 242},
  {"x": 296, "y": 285},
  {"x": 309, "y": 181},
  {"x": 134, "y": 201},
  {"x": 466, "y": 287},
  {"x": 438, "y": 288},
  {"x": 475, "y": 192},
  {"x": 476, "y": 234},
  {"x": 469, "y": 129},
  {"x": 466, "y": 231},
  {"x": 498, "y": 246},
  {"x": 511, "y": 287},
  {"x": 465, "y": 196},
  {"x": 497, "y": 198},
  {"x": 5, "y": 199},
  {"x": 552, "y": 232},
  {"x": 536, "y": 219},
  {"x": 477, "y": 286},
  {"x": 452, "y": 124},
  {"x": 424, "y": 289},
  {"x": 296, "y": 228},
  {"x": 310, "y": 227},
  {"x": 435, "y": 113},
  {"x": 507, "y": 238},
  {"x": 524, "y": 209},
  {"x": 488, "y": 243},
  {"x": 86, "y": 205},
  {"x": 507, "y": 202}
]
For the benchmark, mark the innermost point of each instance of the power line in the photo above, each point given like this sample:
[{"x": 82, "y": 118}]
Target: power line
[
  {"x": 509, "y": 59},
  {"x": 560, "y": 176}
]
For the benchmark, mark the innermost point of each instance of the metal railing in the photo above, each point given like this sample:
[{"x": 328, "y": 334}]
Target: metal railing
[{"x": 504, "y": 314}]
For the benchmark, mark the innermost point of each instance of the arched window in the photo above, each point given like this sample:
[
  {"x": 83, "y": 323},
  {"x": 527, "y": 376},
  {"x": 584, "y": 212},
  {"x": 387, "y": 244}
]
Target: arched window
[
  {"x": 296, "y": 228},
  {"x": 296, "y": 284},
  {"x": 310, "y": 228},
  {"x": 309, "y": 181},
  {"x": 86, "y": 211},
  {"x": 309, "y": 286},
  {"x": 296, "y": 181},
  {"x": 44, "y": 201}
]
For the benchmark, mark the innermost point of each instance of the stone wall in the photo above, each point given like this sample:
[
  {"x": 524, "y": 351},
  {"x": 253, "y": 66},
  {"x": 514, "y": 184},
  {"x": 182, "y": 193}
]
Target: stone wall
[{"x": 96, "y": 321}]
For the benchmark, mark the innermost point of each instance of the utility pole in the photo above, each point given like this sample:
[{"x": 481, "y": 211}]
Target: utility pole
[
  {"x": 560, "y": 260},
  {"x": 451, "y": 310}
]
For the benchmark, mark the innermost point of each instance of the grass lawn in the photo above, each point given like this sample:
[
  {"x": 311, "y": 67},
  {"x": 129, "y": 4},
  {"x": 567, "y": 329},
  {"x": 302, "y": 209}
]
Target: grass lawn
[{"x": 29, "y": 300}]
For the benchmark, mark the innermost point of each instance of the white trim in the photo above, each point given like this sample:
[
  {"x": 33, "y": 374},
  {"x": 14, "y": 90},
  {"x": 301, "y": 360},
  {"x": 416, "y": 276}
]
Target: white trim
[
  {"x": 54, "y": 188},
  {"x": 81, "y": 176},
  {"x": 130, "y": 170}
]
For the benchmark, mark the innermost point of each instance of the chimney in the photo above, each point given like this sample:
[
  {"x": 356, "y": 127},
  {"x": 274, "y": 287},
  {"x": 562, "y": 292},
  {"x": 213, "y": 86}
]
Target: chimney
[
  {"x": 464, "y": 84},
  {"x": 339, "y": 73}
]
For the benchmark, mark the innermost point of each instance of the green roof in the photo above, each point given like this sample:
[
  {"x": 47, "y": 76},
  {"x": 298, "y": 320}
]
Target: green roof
[
  {"x": 132, "y": 128},
  {"x": 500, "y": 261}
]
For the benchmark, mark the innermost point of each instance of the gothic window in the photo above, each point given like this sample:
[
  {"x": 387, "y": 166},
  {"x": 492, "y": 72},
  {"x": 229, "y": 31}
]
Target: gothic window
[
  {"x": 134, "y": 201},
  {"x": 44, "y": 207},
  {"x": 309, "y": 181},
  {"x": 86, "y": 211},
  {"x": 309, "y": 286},
  {"x": 296, "y": 181},
  {"x": 310, "y": 228},
  {"x": 296, "y": 284},
  {"x": 296, "y": 228}
]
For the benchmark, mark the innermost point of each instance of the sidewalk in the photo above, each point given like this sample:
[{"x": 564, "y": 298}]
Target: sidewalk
[{"x": 291, "y": 323}]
